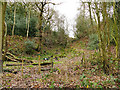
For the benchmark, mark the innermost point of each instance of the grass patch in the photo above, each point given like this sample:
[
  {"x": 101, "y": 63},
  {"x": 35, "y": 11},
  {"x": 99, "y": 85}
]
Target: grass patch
[
  {"x": 30, "y": 66},
  {"x": 59, "y": 62}
]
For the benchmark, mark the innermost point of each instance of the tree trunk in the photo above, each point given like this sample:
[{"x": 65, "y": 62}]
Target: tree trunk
[
  {"x": 98, "y": 29},
  {"x": 5, "y": 43},
  {"x": 40, "y": 27},
  {"x": 102, "y": 41},
  {"x": 108, "y": 32},
  {"x": 118, "y": 14},
  {"x": 106, "y": 66},
  {"x": 28, "y": 22},
  {"x": 3, "y": 21},
  {"x": 1, "y": 63},
  {"x": 116, "y": 29},
  {"x": 119, "y": 52},
  {"x": 2, "y": 30},
  {"x": 14, "y": 20},
  {"x": 89, "y": 5}
]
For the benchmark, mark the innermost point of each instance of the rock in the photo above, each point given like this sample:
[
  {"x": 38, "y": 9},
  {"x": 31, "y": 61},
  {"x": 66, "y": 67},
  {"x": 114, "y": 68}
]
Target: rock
[{"x": 46, "y": 58}]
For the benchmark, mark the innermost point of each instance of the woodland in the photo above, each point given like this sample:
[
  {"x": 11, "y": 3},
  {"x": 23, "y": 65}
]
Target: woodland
[{"x": 37, "y": 52}]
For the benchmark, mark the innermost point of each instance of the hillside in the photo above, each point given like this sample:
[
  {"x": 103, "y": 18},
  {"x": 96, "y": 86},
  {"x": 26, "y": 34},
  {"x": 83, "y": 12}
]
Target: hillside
[{"x": 74, "y": 67}]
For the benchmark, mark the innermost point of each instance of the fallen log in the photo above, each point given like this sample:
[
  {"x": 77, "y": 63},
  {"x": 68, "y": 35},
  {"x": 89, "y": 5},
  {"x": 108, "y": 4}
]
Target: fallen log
[
  {"x": 10, "y": 71},
  {"x": 15, "y": 72},
  {"x": 16, "y": 64},
  {"x": 11, "y": 57},
  {"x": 45, "y": 69},
  {"x": 24, "y": 60},
  {"x": 47, "y": 63},
  {"x": 42, "y": 64}
]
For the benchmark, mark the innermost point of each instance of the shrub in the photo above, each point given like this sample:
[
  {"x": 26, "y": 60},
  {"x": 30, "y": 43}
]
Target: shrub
[
  {"x": 93, "y": 42},
  {"x": 29, "y": 47}
]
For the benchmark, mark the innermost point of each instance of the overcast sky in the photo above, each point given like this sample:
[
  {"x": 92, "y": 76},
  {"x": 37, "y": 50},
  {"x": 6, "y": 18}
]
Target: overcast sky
[{"x": 69, "y": 9}]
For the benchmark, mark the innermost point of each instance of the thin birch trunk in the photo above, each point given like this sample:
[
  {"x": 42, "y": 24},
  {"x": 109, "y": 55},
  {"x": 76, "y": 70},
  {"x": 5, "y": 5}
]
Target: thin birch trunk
[
  {"x": 14, "y": 19},
  {"x": 116, "y": 30},
  {"x": 28, "y": 22}
]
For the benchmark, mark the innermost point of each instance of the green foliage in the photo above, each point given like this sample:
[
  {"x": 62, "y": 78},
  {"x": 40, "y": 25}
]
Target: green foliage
[
  {"x": 93, "y": 42},
  {"x": 62, "y": 55},
  {"x": 29, "y": 47},
  {"x": 47, "y": 75},
  {"x": 85, "y": 82},
  {"x": 74, "y": 52},
  {"x": 52, "y": 85},
  {"x": 30, "y": 66},
  {"x": 26, "y": 76},
  {"x": 20, "y": 27},
  {"x": 94, "y": 58},
  {"x": 20, "y": 21},
  {"x": 33, "y": 30}
]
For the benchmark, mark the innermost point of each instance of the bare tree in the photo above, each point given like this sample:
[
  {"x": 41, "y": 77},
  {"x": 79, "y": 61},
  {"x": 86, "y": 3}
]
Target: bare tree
[{"x": 41, "y": 7}]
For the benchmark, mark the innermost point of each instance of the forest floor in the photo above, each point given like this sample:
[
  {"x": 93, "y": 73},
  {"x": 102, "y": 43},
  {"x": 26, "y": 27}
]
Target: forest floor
[{"x": 68, "y": 71}]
